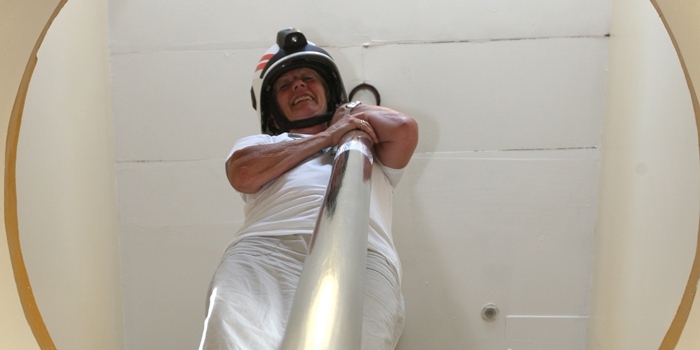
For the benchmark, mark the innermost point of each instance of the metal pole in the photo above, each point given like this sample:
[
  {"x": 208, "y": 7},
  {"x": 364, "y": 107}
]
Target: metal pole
[{"x": 327, "y": 308}]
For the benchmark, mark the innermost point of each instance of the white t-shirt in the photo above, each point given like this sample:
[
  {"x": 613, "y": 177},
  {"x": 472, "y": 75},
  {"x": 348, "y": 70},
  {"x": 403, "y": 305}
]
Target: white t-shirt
[{"x": 290, "y": 204}]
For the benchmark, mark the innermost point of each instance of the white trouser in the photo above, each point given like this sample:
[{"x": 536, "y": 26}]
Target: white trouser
[{"x": 253, "y": 288}]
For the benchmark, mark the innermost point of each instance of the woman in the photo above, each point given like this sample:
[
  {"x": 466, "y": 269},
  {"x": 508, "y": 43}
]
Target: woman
[{"x": 282, "y": 176}]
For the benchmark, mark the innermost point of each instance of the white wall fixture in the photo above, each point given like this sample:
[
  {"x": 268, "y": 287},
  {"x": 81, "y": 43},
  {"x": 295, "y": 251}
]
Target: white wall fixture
[{"x": 489, "y": 312}]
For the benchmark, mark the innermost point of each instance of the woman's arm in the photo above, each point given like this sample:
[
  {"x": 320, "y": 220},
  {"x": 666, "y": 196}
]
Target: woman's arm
[
  {"x": 396, "y": 133},
  {"x": 250, "y": 168}
]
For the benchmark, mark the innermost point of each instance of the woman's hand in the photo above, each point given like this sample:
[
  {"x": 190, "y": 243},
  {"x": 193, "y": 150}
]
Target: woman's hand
[
  {"x": 395, "y": 134},
  {"x": 342, "y": 124}
]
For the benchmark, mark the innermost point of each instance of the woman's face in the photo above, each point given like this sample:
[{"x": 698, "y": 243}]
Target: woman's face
[{"x": 300, "y": 94}]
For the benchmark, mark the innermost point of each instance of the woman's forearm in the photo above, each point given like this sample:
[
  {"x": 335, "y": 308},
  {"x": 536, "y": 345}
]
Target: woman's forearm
[
  {"x": 250, "y": 168},
  {"x": 396, "y": 132}
]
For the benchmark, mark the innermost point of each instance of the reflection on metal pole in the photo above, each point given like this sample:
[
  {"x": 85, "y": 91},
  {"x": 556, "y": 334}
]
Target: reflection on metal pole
[{"x": 327, "y": 309}]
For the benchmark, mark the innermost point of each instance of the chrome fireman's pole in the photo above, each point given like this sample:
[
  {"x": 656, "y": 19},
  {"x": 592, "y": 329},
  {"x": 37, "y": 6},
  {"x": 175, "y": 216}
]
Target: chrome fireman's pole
[{"x": 327, "y": 308}]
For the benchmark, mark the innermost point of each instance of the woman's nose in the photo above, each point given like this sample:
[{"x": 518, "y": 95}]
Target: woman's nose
[{"x": 298, "y": 83}]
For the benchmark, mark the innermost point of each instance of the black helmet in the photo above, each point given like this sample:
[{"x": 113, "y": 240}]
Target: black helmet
[{"x": 293, "y": 51}]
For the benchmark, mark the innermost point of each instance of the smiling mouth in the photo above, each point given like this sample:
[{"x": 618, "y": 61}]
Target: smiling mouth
[{"x": 301, "y": 98}]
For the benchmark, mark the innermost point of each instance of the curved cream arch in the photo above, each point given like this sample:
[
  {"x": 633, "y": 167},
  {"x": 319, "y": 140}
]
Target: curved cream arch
[
  {"x": 682, "y": 24},
  {"x": 29, "y": 19},
  {"x": 680, "y": 19}
]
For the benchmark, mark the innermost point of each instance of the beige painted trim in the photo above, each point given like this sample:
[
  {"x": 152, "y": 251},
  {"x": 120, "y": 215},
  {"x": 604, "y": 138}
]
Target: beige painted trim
[
  {"x": 24, "y": 288},
  {"x": 675, "y": 330}
]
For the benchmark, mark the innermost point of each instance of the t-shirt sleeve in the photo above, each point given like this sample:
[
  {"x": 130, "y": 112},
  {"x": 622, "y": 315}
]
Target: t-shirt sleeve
[
  {"x": 394, "y": 175},
  {"x": 248, "y": 141}
]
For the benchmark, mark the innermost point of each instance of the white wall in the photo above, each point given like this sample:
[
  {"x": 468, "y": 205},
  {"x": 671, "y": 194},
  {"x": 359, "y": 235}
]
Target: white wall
[
  {"x": 498, "y": 204},
  {"x": 66, "y": 184},
  {"x": 648, "y": 208}
]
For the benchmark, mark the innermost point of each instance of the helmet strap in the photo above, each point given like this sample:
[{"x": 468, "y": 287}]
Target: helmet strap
[{"x": 305, "y": 123}]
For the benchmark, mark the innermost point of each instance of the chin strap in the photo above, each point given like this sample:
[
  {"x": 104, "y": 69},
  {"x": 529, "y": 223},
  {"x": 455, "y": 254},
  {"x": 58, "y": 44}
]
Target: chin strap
[{"x": 305, "y": 123}]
